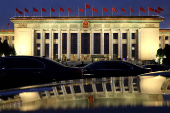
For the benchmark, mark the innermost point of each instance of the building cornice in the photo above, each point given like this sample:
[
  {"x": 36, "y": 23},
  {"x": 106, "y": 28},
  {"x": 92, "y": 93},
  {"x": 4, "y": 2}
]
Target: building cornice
[{"x": 91, "y": 19}]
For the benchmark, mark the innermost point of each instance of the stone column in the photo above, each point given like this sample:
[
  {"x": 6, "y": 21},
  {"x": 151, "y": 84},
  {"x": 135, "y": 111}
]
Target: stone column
[
  {"x": 42, "y": 44},
  {"x": 102, "y": 43},
  {"x": 78, "y": 45},
  {"x": 33, "y": 36},
  {"x": 68, "y": 45},
  {"x": 139, "y": 57},
  {"x": 92, "y": 43},
  {"x": 111, "y": 44},
  {"x": 52, "y": 49},
  {"x": 50, "y": 44},
  {"x": 129, "y": 45},
  {"x": 9, "y": 40},
  {"x": 2, "y": 39},
  {"x": 163, "y": 41},
  {"x": 59, "y": 44},
  {"x": 120, "y": 44}
]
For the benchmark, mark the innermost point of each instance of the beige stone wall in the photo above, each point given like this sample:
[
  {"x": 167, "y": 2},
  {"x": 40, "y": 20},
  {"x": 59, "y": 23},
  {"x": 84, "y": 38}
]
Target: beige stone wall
[
  {"x": 149, "y": 39},
  {"x": 23, "y": 41}
]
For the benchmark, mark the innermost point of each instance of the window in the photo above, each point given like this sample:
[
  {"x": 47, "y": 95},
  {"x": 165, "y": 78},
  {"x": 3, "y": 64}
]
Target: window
[
  {"x": 23, "y": 63},
  {"x": 55, "y": 51},
  {"x": 133, "y": 50},
  {"x": 13, "y": 45},
  {"x": 106, "y": 43},
  {"x": 64, "y": 43},
  {"x": 159, "y": 37},
  {"x": 115, "y": 48},
  {"x": 47, "y": 50},
  {"x": 6, "y": 38},
  {"x": 96, "y": 43},
  {"x": 38, "y": 36},
  {"x": 133, "y": 35},
  {"x": 55, "y": 35},
  {"x": 12, "y": 37},
  {"x": 73, "y": 43},
  {"x": 46, "y": 35},
  {"x": 124, "y": 36},
  {"x": 115, "y": 35},
  {"x": 160, "y": 46},
  {"x": 124, "y": 52},
  {"x": 85, "y": 43},
  {"x": 166, "y": 37},
  {"x": 38, "y": 49}
]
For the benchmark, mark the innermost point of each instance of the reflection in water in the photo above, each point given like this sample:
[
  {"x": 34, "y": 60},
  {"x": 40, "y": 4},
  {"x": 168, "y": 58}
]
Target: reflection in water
[{"x": 55, "y": 104}]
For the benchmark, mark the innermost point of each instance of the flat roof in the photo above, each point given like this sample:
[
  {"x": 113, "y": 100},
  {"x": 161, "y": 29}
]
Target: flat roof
[
  {"x": 164, "y": 30},
  {"x": 87, "y": 18},
  {"x": 6, "y": 30}
]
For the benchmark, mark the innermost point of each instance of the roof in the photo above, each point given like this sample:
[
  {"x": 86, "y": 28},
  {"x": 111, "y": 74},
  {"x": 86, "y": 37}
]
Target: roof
[
  {"x": 6, "y": 30},
  {"x": 87, "y": 18},
  {"x": 164, "y": 30}
]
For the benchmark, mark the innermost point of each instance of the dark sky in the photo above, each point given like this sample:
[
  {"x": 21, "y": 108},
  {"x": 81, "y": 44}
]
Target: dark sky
[{"x": 7, "y": 9}]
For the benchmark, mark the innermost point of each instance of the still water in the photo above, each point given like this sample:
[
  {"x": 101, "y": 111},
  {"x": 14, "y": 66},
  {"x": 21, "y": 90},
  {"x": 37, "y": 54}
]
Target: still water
[{"x": 97, "y": 105}]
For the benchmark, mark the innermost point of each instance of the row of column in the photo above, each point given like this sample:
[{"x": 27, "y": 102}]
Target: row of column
[
  {"x": 9, "y": 40},
  {"x": 91, "y": 44}
]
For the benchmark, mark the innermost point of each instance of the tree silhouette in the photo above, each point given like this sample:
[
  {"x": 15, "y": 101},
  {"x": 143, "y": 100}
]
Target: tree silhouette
[{"x": 6, "y": 49}]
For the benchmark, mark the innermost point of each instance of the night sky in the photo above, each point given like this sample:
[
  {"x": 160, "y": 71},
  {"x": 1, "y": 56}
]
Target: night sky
[{"x": 7, "y": 8}]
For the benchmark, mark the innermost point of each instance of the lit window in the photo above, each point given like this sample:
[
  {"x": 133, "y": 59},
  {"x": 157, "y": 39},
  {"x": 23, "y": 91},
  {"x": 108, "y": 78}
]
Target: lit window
[
  {"x": 133, "y": 35},
  {"x": 166, "y": 37}
]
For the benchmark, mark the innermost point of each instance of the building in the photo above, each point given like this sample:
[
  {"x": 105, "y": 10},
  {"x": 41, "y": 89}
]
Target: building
[{"x": 81, "y": 38}]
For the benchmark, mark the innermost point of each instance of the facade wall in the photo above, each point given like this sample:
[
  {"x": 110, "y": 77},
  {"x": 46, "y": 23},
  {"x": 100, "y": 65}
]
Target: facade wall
[
  {"x": 143, "y": 47},
  {"x": 149, "y": 43},
  {"x": 7, "y": 34},
  {"x": 164, "y": 38}
]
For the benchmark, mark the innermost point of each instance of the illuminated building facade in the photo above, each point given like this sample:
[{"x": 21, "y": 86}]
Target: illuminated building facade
[{"x": 80, "y": 38}]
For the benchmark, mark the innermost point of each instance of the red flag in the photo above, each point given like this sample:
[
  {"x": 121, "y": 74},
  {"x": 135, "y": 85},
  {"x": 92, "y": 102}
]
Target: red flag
[
  {"x": 104, "y": 9},
  {"x": 8, "y": 24},
  {"x": 113, "y": 9},
  {"x": 94, "y": 9},
  {"x": 43, "y": 10},
  {"x": 80, "y": 9},
  {"x": 17, "y": 9},
  {"x": 131, "y": 9},
  {"x": 19, "y": 12},
  {"x": 150, "y": 9},
  {"x": 26, "y": 10},
  {"x": 35, "y": 9},
  {"x": 61, "y": 9},
  {"x": 123, "y": 9},
  {"x": 87, "y": 6},
  {"x": 160, "y": 9},
  {"x": 157, "y": 11},
  {"x": 69, "y": 10},
  {"x": 53, "y": 10},
  {"x": 142, "y": 9}
]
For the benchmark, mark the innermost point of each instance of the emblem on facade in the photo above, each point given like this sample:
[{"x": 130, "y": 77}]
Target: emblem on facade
[{"x": 85, "y": 24}]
